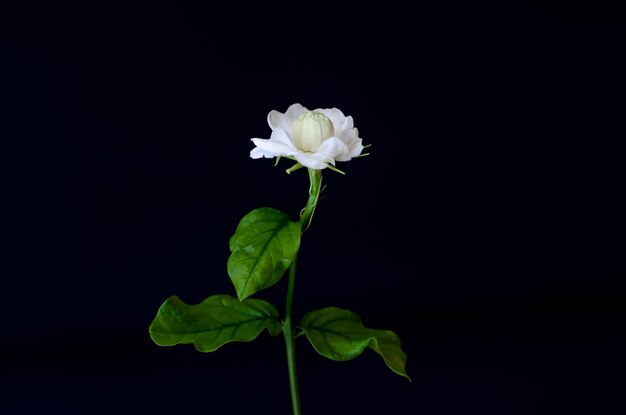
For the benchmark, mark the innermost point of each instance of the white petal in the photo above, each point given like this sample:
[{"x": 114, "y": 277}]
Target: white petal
[
  {"x": 354, "y": 143},
  {"x": 257, "y": 153},
  {"x": 276, "y": 120},
  {"x": 356, "y": 148},
  {"x": 272, "y": 147},
  {"x": 333, "y": 148},
  {"x": 349, "y": 136},
  {"x": 336, "y": 116},
  {"x": 280, "y": 136},
  {"x": 292, "y": 114},
  {"x": 312, "y": 160},
  {"x": 348, "y": 123}
]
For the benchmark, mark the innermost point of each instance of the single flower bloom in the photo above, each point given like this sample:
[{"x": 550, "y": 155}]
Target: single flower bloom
[{"x": 315, "y": 139}]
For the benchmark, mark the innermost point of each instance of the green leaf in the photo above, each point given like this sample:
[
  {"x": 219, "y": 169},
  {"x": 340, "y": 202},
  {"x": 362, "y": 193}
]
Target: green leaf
[
  {"x": 263, "y": 246},
  {"x": 218, "y": 320},
  {"x": 338, "y": 334}
]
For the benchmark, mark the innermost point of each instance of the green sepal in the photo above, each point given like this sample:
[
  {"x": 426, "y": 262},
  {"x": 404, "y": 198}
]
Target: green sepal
[
  {"x": 263, "y": 246},
  {"x": 218, "y": 320},
  {"x": 338, "y": 334}
]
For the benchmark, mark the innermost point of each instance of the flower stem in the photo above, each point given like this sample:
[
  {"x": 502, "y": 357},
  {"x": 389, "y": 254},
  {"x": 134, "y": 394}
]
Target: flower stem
[
  {"x": 290, "y": 343},
  {"x": 315, "y": 177}
]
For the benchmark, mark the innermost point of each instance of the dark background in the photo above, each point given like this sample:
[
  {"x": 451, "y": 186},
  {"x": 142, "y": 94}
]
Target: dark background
[{"x": 486, "y": 228}]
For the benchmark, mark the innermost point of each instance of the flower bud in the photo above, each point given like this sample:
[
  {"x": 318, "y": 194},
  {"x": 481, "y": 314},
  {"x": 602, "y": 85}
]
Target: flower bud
[{"x": 310, "y": 129}]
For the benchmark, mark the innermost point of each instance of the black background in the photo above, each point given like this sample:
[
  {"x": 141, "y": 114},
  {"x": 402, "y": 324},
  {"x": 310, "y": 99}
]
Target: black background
[{"x": 485, "y": 228}]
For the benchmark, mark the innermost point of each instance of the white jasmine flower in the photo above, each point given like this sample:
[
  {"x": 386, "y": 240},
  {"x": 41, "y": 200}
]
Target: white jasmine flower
[{"x": 315, "y": 139}]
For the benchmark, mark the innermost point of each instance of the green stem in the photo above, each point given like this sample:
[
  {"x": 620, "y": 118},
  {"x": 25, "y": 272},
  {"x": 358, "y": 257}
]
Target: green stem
[
  {"x": 315, "y": 176},
  {"x": 290, "y": 343}
]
